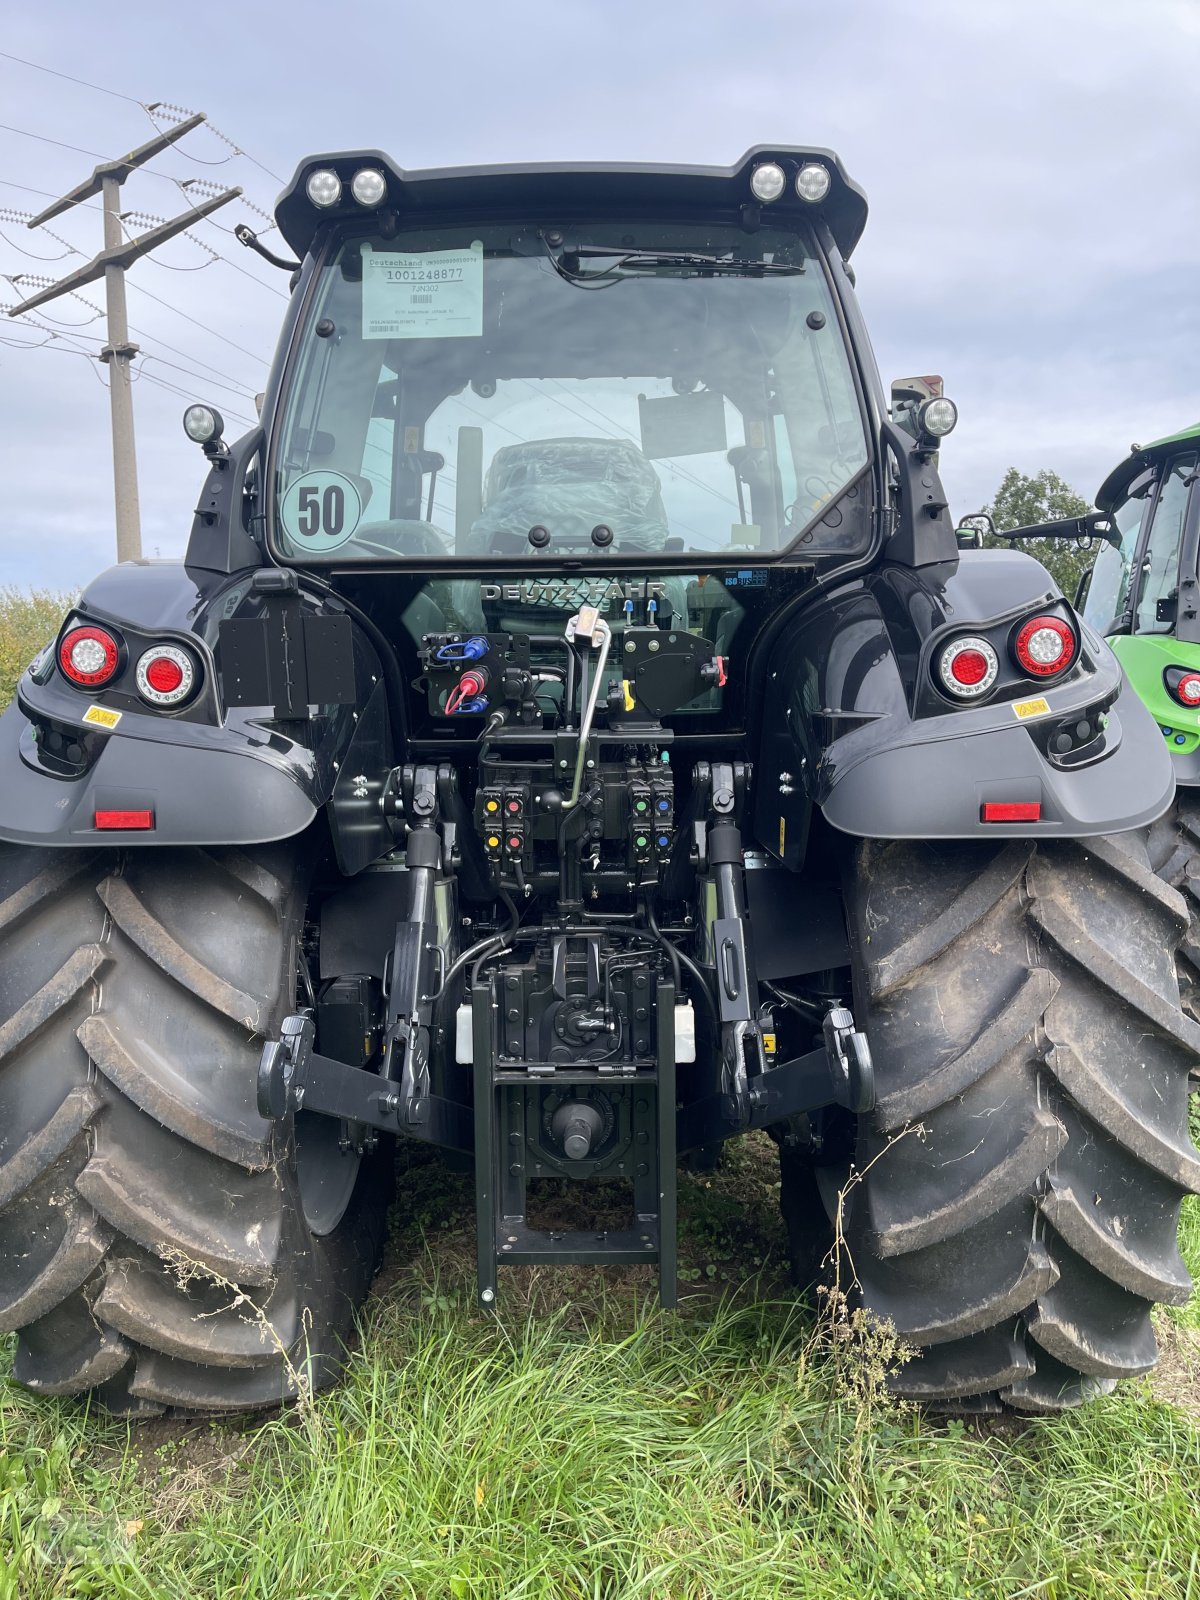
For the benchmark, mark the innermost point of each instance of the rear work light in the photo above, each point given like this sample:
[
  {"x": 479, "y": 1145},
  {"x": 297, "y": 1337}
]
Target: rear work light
[
  {"x": 165, "y": 675},
  {"x": 88, "y": 657},
  {"x": 120, "y": 821},
  {"x": 967, "y": 667},
  {"x": 1011, "y": 811},
  {"x": 1183, "y": 686},
  {"x": 1044, "y": 646}
]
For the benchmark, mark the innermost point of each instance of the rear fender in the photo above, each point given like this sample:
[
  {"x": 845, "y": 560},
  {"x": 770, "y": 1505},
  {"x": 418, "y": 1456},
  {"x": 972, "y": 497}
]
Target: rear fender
[
  {"x": 208, "y": 774},
  {"x": 854, "y": 723}
]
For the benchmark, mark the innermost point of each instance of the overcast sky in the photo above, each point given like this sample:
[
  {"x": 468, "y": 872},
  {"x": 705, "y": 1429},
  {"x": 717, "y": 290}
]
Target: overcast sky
[{"x": 1032, "y": 167}]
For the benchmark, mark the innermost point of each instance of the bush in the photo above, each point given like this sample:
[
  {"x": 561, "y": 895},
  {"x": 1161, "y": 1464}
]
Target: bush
[{"x": 27, "y": 622}]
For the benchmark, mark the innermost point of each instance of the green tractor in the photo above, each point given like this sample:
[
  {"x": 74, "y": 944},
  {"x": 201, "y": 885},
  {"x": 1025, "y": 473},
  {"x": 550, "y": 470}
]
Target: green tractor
[{"x": 1141, "y": 594}]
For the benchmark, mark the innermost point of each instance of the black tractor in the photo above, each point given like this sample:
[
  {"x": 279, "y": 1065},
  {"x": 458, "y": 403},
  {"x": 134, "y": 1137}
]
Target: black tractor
[{"x": 573, "y": 739}]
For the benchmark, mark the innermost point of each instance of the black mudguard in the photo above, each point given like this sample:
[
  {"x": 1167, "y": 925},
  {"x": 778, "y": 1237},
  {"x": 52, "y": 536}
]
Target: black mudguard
[
  {"x": 854, "y": 724},
  {"x": 210, "y": 775}
]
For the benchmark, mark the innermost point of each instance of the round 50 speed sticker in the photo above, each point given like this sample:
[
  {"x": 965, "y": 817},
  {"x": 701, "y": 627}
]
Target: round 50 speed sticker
[{"x": 320, "y": 511}]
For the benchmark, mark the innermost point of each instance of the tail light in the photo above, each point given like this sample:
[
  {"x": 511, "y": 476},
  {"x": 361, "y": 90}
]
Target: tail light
[
  {"x": 967, "y": 667},
  {"x": 1044, "y": 646},
  {"x": 165, "y": 675},
  {"x": 89, "y": 657},
  {"x": 1184, "y": 686}
]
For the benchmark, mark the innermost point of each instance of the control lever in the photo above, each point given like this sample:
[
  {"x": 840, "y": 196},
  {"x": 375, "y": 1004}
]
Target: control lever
[{"x": 587, "y": 624}]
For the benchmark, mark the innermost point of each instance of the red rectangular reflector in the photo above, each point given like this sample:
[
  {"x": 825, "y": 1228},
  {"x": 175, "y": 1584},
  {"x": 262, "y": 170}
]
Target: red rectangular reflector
[
  {"x": 124, "y": 819},
  {"x": 1011, "y": 811}
]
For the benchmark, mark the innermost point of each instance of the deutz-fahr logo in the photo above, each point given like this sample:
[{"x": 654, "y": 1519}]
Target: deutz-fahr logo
[{"x": 567, "y": 593}]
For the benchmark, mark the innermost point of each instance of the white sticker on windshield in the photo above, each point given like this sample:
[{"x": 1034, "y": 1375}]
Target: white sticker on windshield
[
  {"x": 426, "y": 294},
  {"x": 320, "y": 511}
]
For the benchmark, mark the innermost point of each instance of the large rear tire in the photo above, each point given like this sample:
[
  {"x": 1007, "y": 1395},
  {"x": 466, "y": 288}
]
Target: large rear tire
[
  {"x": 1173, "y": 843},
  {"x": 160, "y": 1244},
  {"x": 1014, "y": 1200}
]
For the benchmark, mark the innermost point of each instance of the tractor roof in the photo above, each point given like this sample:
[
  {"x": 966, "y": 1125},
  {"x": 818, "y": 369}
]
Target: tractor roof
[
  {"x": 1140, "y": 456},
  {"x": 569, "y": 190}
]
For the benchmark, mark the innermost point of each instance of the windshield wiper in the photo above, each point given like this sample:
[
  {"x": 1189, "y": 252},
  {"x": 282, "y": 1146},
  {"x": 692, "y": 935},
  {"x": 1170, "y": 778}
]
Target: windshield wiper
[
  {"x": 642, "y": 260},
  {"x": 632, "y": 261}
]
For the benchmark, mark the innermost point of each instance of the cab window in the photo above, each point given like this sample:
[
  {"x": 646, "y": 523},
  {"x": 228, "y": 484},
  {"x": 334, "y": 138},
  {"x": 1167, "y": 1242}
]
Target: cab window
[
  {"x": 1108, "y": 591},
  {"x": 1158, "y": 570}
]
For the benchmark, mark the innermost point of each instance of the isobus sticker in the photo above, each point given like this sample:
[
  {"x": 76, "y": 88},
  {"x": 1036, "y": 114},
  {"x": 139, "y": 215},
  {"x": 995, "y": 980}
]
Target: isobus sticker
[
  {"x": 425, "y": 294},
  {"x": 320, "y": 512},
  {"x": 1024, "y": 709}
]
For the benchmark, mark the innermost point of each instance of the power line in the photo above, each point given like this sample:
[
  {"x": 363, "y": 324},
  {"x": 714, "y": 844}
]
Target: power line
[
  {"x": 262, "y": 361},
  {"x": 27, "y": 188},
  {"x": 149, "y": 377},
  {"x": 83, "y": 83},
  {"x": 217, "y": 372},
  {"x": 243, "y": 390},
  {"x": 45, "y": 139},
  {"x": 94, "y": 360},
  {"x": 65, "y": 349},
  {"x": 12, "y": 214},
  {"x": 174, "y": 113}
]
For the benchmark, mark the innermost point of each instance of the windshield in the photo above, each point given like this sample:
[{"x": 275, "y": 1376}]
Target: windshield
[{"x": 620, "y": 390}]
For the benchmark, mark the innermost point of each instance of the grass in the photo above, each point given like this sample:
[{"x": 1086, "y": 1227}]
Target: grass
[
  {"x": 28, "y": 620},
  {"x": 582, "y": 1445}
]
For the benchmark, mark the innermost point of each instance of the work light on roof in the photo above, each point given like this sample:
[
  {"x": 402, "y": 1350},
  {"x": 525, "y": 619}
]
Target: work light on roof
[
  {"x": 768, "y": 182},
  {"x": 812, "y": 182},
  {"x": 324, "y": 188},
  {"x": 369, "y": 186}
]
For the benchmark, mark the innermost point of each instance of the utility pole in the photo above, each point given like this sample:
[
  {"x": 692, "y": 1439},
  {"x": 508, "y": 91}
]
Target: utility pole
[{"x": 111, "y": 264}]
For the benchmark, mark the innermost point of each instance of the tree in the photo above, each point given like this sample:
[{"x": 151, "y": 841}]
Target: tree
[{"x": 1021, "y": 500}]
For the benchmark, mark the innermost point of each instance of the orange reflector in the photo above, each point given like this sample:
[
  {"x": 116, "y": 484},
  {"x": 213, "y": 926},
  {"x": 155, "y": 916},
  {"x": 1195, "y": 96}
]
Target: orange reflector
[
  {"x": 124, "y": 819},
  {"x": 1011, "y": 811}
]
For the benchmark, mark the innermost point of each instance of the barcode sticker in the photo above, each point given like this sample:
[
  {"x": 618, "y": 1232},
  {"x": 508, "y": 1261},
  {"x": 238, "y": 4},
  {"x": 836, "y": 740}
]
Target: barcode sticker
[{"x": 427, "y": 294}]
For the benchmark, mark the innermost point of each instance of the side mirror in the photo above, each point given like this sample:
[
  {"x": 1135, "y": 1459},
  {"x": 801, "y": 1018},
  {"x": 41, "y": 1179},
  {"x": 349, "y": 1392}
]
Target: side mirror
[
  {"x": 204, "y": 426},
  {"x": 972, "y": 530},
  {"x": 923, "y": 411}
]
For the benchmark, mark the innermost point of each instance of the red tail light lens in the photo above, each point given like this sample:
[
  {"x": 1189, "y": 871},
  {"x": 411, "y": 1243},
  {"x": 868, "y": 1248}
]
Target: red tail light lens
[
  {"x": 1044, "y": 646},
  {"x": 1185, "y": 686},
  {"x": 88, "y": 657},
  {"x": 967, "y": 667},
  {"x": 166, "y": 675}
]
